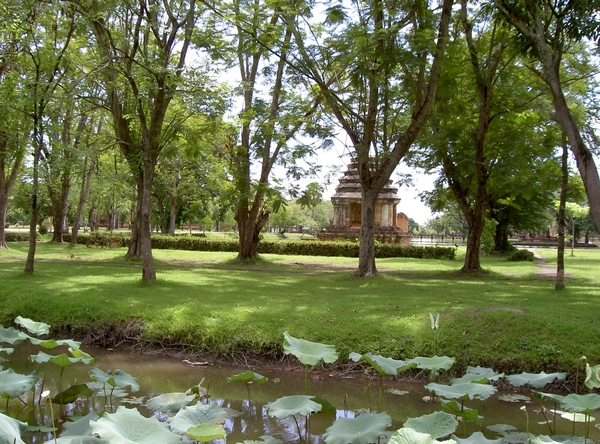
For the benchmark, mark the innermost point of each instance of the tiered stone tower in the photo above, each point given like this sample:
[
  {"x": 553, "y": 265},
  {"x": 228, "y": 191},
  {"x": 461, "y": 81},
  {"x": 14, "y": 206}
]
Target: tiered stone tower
[{"x": 347, "y": 207}]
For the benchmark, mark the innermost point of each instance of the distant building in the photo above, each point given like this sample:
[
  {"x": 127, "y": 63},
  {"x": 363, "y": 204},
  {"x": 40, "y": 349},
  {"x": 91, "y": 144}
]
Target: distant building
[{"x": 390, "y": 227}]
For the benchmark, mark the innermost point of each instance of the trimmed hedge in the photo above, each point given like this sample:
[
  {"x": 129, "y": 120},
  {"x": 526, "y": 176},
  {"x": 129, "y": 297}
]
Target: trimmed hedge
[
  {"x": 19, "y": 236},
  {"x": 300, "y": 248}
]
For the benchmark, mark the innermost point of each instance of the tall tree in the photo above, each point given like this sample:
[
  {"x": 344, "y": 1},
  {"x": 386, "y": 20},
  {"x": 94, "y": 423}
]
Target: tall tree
[
  {"x": 478, "y": 108},
  {"x": 549, "y": 28},
  {"x": 13, "y": 124},
  {"x": 276, "y": 108},
  {"x": 377, "y": 67},
  {"x": 142, "y": 48},
  {"x": 46, "y": 43}
]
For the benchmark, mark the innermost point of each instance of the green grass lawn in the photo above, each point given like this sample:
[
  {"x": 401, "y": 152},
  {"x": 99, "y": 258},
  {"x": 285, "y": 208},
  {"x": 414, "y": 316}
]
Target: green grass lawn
[{"x": 508, "y": 318}]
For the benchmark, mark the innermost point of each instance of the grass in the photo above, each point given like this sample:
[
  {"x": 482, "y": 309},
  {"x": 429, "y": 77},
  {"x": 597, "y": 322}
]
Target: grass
[{"x": 508, "y": 318}]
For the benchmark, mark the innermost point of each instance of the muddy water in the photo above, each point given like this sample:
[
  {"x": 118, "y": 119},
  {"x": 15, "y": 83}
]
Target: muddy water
[{"x": 158, "y": 375}]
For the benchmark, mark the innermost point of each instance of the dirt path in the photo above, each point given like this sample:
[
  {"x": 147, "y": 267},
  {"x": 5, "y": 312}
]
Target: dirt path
[{"x": 545, "y": 271}]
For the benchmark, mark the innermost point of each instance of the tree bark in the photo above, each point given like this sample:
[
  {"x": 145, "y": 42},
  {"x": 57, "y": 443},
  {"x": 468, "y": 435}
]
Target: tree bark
[
  {"x": 560, "y": 253},
  {"x": 86, "y": 181},
  {"x": 501, "y": 243},
  {"x": 172, "y": 214},
  {"x": 366, "y": 256},
  {"x": 7, "y": 180},
  {"x": 37, "y": 141}
]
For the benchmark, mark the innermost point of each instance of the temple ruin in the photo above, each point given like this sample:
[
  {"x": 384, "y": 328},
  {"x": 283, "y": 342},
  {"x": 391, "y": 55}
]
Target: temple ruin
[{"x": 390, "y": 226}]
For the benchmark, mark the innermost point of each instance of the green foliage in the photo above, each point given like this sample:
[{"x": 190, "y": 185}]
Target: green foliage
[
  {"x": 300, "y": 248},
  {"x": 19, "y": 236},
  {"x": 521, "y": 255},
  {"x": 363, "y": 429}
]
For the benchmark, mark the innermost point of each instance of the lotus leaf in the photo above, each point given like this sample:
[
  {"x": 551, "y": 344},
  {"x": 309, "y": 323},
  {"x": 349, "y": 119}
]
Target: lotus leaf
[
  {"x": 326, "y": 406},
  {"x": 477, "y": 438},
  {"x": 548, "y": 396},
  {"x": 248, "y": 376},
  {"x": 72, "y": 394},
  {"x": 592, "y": 376},
  {"x": 577, "y": 417},
  {"x": 513, "y": 397},
  {"x": 265, "y": 440},
  {"x": 363, "y": 429},
  {"x": 11, "y": 335},
  {"x": 124, "y": 379},
  {"x": 13, "y": 385},
  {"x": 206, "y": 432},
  {"x": 49, "y": 344},
  {"x": 462, "y": 391},
  {"x": 80, "y": 427},
  {"x": 307, "y": 352},
  {"x": 79, "y": 440},
  {"x": 383, "y": 366},
  {"x": 128, "y": 426},
  {"x": 197, "y": 414},
  {"x": 479, "y": 375},
  {"x": 35, "y": 328},
  {"x": 10, "y": 430},
  {"x": 436, "y": 424},
  {"x": 581, "y": 403},
  {"x": 119, "y": 379},
  {"x": 502, "y": 428},
  {"x": 292, "y": 405},
  {"x": 62, "y": 360},
  {"x": 170, "y": 402},
  {"x": 543, "y": 439},
  {"x": 397, "y": 392},
  {"x": 456, "y": 409},
  {"x": 40, "y": 428},
  {"x": 435, "y": 363},
  {"x": 537, "y": 380},
  {"x": 8, "y": 351},
  {"x": 410, "y": 436}
]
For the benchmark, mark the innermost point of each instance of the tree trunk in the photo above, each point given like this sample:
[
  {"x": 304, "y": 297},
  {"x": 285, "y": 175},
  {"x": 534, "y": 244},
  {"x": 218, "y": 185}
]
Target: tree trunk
[
  {"x": 250, "y": 224},
  {"x": 3, "y": 209},
  {"x": 7, "y": 181},
  {"x": 476, "y": 225},
  {"x": 560, "y": 254},
  {"x": 83, "y": 195},
  {"x": 501, "y": 243},
  {"x": 140, "y": 243},
  {"x": 59, "y": 213},
  {"x": 172, "y": 215},
  {"x": 366, "y": 256},
  {"x": 37, "y": 141}
]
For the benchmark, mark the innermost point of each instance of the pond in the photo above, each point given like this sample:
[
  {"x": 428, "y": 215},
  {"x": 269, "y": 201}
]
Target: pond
[{"x": 158, "y": 375}]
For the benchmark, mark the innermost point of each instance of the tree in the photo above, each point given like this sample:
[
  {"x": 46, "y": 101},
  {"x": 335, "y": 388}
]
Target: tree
[
  {"x": 276, "y": 109},
  {"x": 45, "y": 47},
  {"x": 311, "y": 197},
  {"x": 13, "y": 131},
  {"x": 377, "y": 67},
  {"x": 142, "y": 48},
  {"x": 191, "y": 174},
  {"x": 87, "y": 171},
  {"x": 548, "y": 29},
  {"x": 491, "y": 135}
]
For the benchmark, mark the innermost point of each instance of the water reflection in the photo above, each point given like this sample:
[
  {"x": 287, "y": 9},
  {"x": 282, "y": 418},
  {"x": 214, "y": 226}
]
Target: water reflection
[{"x": 249, "y": 421}]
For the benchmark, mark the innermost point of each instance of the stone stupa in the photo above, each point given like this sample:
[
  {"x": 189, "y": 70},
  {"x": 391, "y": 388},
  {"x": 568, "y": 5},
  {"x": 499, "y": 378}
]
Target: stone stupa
[{"x": 389, "y": 226}]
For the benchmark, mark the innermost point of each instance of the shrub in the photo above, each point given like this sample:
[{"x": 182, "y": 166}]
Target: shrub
[
  {"x": 18, "y": 236},
  {"x": 43, "y": 229},
  {"x": 521, "y": 255},
  {"x": 300, "y": 248}
]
